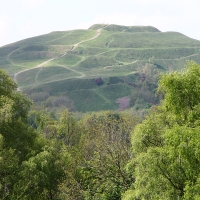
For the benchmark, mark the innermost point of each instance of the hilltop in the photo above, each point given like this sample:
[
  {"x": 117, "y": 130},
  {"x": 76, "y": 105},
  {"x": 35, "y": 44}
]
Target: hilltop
[{"x": 93, "y": 69}]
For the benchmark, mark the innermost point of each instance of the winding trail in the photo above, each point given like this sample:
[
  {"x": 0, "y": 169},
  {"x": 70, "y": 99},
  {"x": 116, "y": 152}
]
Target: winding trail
[
  {"x": 97, "y": 35},
  {"x": 47, "y": 61},
  {"x": 38, "y": 66}
]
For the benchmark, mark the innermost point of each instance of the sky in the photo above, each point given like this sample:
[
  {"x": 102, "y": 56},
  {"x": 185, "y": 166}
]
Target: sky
[{"x": 21, "y": 19}]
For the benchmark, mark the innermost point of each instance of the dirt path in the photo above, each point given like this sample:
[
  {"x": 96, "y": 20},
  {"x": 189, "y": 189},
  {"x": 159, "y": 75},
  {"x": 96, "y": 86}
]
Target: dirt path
[
  {"x": 38, "y": 66},
  {"x": 97, "y": 35},
  {"x": 47, "y": 61}
]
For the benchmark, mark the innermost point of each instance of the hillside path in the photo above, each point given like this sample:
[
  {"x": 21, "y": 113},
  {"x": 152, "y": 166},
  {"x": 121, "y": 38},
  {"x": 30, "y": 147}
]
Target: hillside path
[
  {"x": 38, "y": 66},
  {"x": 97, "y": 35},
  {"x": 47, "y": 61}
]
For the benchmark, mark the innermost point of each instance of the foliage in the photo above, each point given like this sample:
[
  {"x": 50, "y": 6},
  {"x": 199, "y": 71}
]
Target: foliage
[
  {"x": 105, "y": 146},
  {"x": 166, "y": 144},
  {"x": 28, "y": 170},
  {"x": 144, "y": 94},
  {"x": 42, "y": 175},
  {"x": 94, "y": 149}
]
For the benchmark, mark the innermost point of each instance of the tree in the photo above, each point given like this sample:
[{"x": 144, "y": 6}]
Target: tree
[
  {"x": 30, "y": 168},
  {"x": 63, "y": 137},
  {"x": 144, "y": 93},
  {"x": 17, "y": 140},
  {"x": 67, "y": 129},
  {"x": 105, "y": 147},
  {"x": 166, "y": 145},
  {"x": 42, "y": 174}
]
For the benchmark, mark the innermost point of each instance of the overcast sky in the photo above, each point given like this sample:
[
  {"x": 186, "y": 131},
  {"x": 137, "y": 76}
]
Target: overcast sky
[{"x": 20, "y": 19}]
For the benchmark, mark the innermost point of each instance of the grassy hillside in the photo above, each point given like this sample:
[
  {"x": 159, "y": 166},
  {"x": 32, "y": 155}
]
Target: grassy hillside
[{"x": 95, "y": 67}]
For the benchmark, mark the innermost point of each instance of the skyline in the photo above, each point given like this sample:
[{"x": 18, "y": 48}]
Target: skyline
[{"x": 21, "y": 19}]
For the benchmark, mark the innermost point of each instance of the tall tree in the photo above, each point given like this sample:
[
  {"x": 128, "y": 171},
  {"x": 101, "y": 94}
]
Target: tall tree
[
  {"x": 166, "y": 145},
  {"x": 29, "y": 169},
  {"x": 105, "y": 147}
]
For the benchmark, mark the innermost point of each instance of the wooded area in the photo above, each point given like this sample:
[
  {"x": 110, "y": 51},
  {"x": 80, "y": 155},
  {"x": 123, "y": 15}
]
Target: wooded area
[{"x": 106, "y": 155}]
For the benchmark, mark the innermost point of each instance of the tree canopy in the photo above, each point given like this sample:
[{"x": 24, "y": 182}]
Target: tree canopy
[
  {"x": 166, "y": 144},
  {"x": 28, "y": 168}
]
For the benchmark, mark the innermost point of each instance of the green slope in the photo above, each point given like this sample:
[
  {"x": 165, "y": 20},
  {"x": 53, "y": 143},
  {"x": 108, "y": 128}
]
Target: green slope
[{"x": 68, "y": 62}]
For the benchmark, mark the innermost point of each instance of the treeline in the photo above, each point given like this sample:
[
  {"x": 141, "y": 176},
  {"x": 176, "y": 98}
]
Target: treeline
[{"x": 106, "y": 155}]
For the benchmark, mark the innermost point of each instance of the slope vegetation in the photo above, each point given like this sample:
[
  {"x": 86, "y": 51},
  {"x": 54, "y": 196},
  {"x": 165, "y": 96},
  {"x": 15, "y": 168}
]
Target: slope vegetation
[{"x": 94, "y": 68}]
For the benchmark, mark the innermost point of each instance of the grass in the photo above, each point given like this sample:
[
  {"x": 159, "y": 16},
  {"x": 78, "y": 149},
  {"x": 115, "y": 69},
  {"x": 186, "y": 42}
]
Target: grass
[
  {"x": 27, "y": 78},
  {"x": 88, "y": 100},
  {"x": 115, "y": 91},
  {"x": 130, "y": 55},
  {"x": 87, "y": 96},
  {"x": 54, "y": 73},
  {"x": 74, "y": 37},
  {"x": 96, "y": 26},
  {"x": 68, "y": 60},
  {"x": 85, "y": 51},
  {"x": 117, "y": 56},
  {"x": 97, "y": 61},
  {"x": 142, "y": 40},
  {"x": 58, "y": 38},
  {"x": 120, "y": 28}
]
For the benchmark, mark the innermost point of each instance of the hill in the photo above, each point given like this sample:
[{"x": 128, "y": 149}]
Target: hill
[{"x": 91, "y": 70}]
